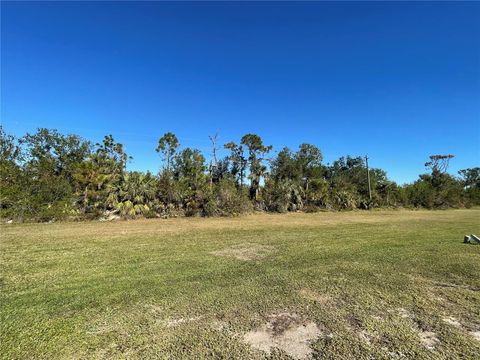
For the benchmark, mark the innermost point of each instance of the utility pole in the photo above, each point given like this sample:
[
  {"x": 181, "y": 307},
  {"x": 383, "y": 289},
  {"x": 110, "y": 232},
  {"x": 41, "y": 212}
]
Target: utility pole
[{"x": 368, "y": 177}]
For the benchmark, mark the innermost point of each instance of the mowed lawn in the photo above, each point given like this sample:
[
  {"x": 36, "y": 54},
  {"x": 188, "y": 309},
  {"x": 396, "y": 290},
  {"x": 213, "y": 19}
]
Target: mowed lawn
[{"x": 378, "y": 284}]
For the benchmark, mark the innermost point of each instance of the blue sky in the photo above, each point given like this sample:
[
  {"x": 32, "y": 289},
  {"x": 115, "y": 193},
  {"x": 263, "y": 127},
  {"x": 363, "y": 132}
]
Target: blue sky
[{"x": 399, "y": 81}]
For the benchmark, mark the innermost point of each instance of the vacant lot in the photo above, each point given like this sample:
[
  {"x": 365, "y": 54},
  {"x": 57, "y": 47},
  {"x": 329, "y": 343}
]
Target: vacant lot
[{"x": 392, "y": 284}]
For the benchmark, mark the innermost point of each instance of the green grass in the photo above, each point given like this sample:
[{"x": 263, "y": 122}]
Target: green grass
[{"x": 158, "y": 289}]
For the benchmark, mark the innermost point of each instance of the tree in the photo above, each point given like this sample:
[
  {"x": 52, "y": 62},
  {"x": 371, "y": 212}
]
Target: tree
[
  {"x": 471, "y": 177},
  {"x": 168, "y": 145},
  {"x": 189, "y": 171},
  {"x": 189, "y": 164},
  {"x": 283, "y": 195},
  {"x": 438, "y": 164},
  {"x": 471, "y": 183},
  {"x": 221, "y": 171},
  {"x": 113, "y": 154},
  {"x": 137, "y": 194},
  {"x": 238, "y": 162},
  {"x": 9, "y": 148},
  {"x": 438, "y": 189},
  {"x": 309, "y": 158},
  {"x": 48, "y": 175},
  {"x": 256, "y": 155},
  {"x": 97, "y": 188},
  {"x": 348, "y": 173},
  {"x": 100, "y": 176},
  {"x": 284, "y": 166},
  {"x": 61, "y": 153},
  {"x": 48, "y": 167},
  {"x": 13, "y": 188}
]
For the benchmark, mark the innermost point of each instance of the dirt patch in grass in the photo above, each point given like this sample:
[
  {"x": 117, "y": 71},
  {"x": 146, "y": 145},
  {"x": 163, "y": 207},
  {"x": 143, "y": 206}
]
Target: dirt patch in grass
[
  {"x": 365, "y": 336},
  {"x": 452, "y": 321},
  {"x": 468, "y": 329},
  {"x": 404, "y": 314},
  {"x": 428, "y": 339},
  {"x": 314, "y": 296},
  {"x": 475, "y": 335},
  {"x": 219, "y": 325},
  {"x": 287, "y": 332},
  {"x": 179, "y": 321},
  {"x": 246, "y": 252},
  {"x": 356, "y": 325}
]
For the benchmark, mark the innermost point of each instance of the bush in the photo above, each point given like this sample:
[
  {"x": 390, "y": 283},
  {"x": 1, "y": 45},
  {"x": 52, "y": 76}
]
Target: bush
[
  {"x": 317, "y": 194},
  {"x": 282, "y": 196},
  {"x": 344, "y": 200},
  {"x": 228, "y": 200}
]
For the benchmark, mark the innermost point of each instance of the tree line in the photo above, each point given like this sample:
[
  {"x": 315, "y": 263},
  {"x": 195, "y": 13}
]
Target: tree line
[{"x": 49, "y": 176}]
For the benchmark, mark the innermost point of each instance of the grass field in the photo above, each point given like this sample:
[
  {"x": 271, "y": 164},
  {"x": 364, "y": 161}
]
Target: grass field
[{"x": 379, "y": 284}]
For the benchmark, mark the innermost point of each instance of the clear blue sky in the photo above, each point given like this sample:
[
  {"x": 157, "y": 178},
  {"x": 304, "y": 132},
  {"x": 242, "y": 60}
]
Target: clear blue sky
[{"x": 399, "y": 81}]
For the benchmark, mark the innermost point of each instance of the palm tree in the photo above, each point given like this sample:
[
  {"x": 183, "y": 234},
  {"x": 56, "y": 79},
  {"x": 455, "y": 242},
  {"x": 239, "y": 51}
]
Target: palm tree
[{"x": 136, "y": 194}]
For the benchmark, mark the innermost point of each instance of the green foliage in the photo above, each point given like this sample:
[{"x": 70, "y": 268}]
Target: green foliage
[
  {"x": 100, "y": 177},
  {"x": 318, "y": 193},
  {"x": 470, "y": 177},
  {"x": 285, "y": 166},
  {"x": 46, "y": 176},
  {"x": 231, "y": 201},
  {"x": 471, "y": 183},
  {"x": 168, "y": 145},
  {"x": 190, "y": 165},
  {"x": 344, "y": 200},
  {"x": 168, "y": 190},
  {"x": 238, "y": 162},
  {"x": 437, "y": 190},
  {"x": 12, "y": 189},
  {"x": 256, "y": 154},
  {"x": 283, "y": 196},
  {"x": 137, "y": 193},
  {"x": 38, "y": 174},
  {"x": 309, "y": 159}
]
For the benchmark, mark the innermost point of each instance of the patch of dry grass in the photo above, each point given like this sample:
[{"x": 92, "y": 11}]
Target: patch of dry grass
[
  {"x": 246, "y": 252},
  {"x": 174, "y": 226}
]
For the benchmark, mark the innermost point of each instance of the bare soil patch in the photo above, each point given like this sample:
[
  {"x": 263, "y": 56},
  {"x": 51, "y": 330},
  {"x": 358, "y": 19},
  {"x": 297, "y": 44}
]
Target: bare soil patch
[
  {"x": 475, "y": 335},
  {"x": 429, "y": 339},
  {"x": 365, "y": 336},
  {"x": 179, "y": 321},
  {"x": 246, "y": 251},
  {"x": 287, "y": 332},
  {"x": 456, "y": 323},
  {"x": 314, "y": 296},
  {"x": 452, "y": 321},
  {"x": 356, "y": 325},
  {"x": 404, "y": 314}
]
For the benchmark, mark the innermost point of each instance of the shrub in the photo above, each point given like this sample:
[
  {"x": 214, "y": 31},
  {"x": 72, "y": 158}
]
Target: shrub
[
  {"x": 283, "y": 195},
  {"x": 229, "y": 200},
  {"x": 344, "y": 200}
]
